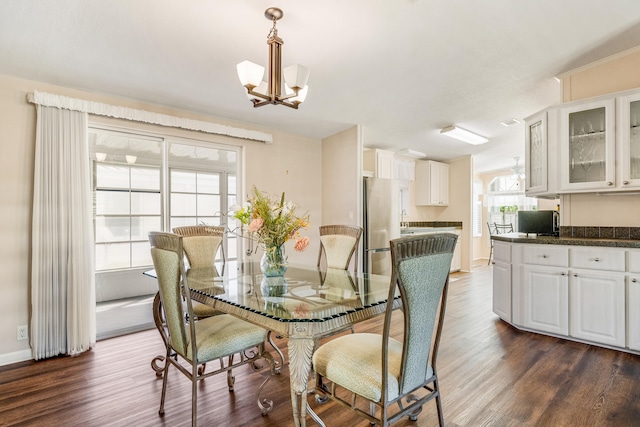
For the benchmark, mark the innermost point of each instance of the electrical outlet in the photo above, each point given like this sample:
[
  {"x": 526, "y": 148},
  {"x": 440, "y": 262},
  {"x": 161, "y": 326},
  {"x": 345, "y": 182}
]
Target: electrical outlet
[{"x": 23, "y": 332}]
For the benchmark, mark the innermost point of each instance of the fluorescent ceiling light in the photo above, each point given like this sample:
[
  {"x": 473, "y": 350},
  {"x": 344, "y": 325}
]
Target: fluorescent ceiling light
[
  {"x": 463, "y": 135},
  {"x": 411, "y": 154}
]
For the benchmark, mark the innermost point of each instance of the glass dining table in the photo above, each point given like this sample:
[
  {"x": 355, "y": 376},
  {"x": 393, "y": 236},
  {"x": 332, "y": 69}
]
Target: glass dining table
[{"x": 304, "y": 306}]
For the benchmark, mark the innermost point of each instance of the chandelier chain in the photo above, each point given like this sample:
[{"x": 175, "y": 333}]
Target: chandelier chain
[{"x": 274, "y": 30}]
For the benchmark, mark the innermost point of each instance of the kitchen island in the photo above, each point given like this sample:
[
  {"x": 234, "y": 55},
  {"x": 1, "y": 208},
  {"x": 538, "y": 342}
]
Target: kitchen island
[{"x": 581, "y": 289}]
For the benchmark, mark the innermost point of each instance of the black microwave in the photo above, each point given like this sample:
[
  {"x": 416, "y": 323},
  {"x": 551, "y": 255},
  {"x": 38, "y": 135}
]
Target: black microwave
[{"x": 542, "y": 223}]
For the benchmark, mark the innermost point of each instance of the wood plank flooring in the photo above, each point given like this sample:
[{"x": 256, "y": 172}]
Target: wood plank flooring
[{"x": 490, "y": 375}]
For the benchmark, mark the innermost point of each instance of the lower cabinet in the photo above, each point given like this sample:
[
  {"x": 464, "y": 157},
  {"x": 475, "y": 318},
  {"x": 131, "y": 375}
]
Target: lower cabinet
[
  {"x": 543, "y": 298},
  {"x": 633, "y": 311},
  {"x": 597, "y": 307},
  {"x": 590, "y": 294},
  {"x": 502, "y": 280}
]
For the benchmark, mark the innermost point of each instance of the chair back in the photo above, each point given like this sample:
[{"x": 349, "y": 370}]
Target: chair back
[
  {"x": 420, "y": 271},
  {"x": 338, "y": 243},
  {"x": 167, "y": 255},
  {"x": 502, "y": 228},
  {"x": 201, "y": 243}
]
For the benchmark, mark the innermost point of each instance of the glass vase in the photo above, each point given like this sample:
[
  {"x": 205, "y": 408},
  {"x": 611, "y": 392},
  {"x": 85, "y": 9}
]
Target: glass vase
[{"x": 273, "y": 262}]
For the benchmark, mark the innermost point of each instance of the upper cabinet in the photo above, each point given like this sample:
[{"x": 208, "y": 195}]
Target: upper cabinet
[
  {"x": 584, "y": 146},
  {"x": 587, "y": 146},
  {"x": 629, "y": 141},
  {"x": 378, "y": 163},
  {"x": 536, "y": 142},
  {"x": 432, "y": 183}
]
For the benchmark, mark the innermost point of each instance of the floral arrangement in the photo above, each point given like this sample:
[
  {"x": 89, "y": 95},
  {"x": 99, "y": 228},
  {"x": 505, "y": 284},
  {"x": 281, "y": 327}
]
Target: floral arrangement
[{"x": 273, "y": 221}]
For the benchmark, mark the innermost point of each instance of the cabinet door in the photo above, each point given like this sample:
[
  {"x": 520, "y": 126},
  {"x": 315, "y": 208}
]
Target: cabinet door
[
  {"x": 502, "y": 290},
  {"x": 587, "y": 146},
  {"x": 544, "y": 299},
  {"x": 629, "y": 141},
  {"x": 633, "y": 311},
  {"x": 536, "y": 154},
  {"x": 443, "y": 183},
  {"x": 384, "y": 164},
  {"x": 597, "y": 307},
  {"x": 432, "y": 183}
]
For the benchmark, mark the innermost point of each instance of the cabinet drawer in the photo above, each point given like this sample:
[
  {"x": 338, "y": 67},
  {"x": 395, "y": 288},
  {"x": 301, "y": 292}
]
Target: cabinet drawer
[
  {"x": 502, "y": 252},
  {"x": 556, "y": 256},
  {"x": 634, "y": 261},
  {"x": 598, "y": 259}
]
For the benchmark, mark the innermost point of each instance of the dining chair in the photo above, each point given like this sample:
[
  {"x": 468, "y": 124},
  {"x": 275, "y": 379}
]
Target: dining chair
[
  {"x": 338, "y": 243},
  {"x": 201, "y": 244},
  {"x": 190, "y": 344},
  {"x": 372, "y": 374}
]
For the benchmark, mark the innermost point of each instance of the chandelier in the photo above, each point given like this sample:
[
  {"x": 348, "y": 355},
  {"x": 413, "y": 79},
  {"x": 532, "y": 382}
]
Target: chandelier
[{"x": 294, "y": 90}]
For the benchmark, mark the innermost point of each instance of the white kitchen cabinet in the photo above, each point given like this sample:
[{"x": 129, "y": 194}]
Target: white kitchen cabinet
[
  {"x": 587, "y": 146},
  {"x": 378, "y": 163},
  {"x": 633, "y": 311},
  {"x": 541, "y": 294},
  {"x": 628, "y": 141},
  {"x": 597, "y": 307},
  {"x": 543, "y": 299},
  {"x": 536, "y": 139},
  {"x": 502, "y": 280},
  {"x": 432, "y": 183}
]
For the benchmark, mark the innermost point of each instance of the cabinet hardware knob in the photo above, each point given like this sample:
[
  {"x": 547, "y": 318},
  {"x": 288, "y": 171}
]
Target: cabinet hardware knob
[
  {"x": 563, "y": 274},
  {"x": 633, "y": 280},
  {"x": 609, "y": 183},
  {"x": 575, "y": 275},
  {"x": 544, "y": 256},
  {"x": 625, "y": 182},
  {"x": 596, "y": 259}
]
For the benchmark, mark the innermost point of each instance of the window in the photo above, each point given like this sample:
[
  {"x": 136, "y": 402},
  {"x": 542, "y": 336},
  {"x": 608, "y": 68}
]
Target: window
[
  {"x": 138, "y": 190},
  {"x": 505, "y": 198}
]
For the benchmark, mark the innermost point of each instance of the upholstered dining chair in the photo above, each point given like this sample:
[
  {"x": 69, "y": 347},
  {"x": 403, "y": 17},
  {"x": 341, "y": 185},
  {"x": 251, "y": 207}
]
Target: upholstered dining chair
[
  {"x": 201, "y": 244},
  {"x": 338, "y": 243},
  {"x": 190, "y": 344},
  {"x": 378, "y": 372}
]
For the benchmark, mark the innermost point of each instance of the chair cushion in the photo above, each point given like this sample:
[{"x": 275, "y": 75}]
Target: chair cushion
[
  {"x": 355, "y": 363},
  {"x": 222, "y": 335},
  {"x": 337, "y": 248},
  {"x": 202, "y": 310}
]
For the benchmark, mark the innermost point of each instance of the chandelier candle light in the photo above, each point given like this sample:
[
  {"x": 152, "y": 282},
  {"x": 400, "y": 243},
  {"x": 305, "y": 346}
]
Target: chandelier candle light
[{"x": 262, "y": 93}]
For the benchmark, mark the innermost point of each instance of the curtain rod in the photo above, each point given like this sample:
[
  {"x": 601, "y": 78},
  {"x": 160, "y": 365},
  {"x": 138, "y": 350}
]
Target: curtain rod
[{"x": 100, "y": 109}]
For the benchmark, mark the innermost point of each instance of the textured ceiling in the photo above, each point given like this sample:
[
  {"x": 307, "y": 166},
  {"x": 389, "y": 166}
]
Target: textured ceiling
[{"x": 403, "y": 69}]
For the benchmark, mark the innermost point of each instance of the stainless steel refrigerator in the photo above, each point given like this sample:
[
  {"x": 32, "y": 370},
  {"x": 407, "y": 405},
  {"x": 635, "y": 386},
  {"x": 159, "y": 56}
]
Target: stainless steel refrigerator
[{"x": 381, "y": 223}]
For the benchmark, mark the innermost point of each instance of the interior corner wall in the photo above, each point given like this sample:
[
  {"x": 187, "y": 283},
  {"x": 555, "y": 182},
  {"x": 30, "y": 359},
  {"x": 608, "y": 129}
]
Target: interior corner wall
[
  {"x": 341, "y": 178},
  {"x": 588, "y": 209},
  {"x": 290, "y": 164}
]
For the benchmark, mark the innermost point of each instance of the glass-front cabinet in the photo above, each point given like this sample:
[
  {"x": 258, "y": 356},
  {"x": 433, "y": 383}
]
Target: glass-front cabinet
[
  {"x": 536, "y": 154},
  {"x": 629, "y": 141},
  {"x": 587, "y": 146}
]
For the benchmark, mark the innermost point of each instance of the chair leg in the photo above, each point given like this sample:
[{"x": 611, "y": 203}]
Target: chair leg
[
  {"x": 194, "y": 396},
  {"x": 164, "y": 382},
  {"x": 490, "y": 254},
  {"x": 436, "y": 388}
]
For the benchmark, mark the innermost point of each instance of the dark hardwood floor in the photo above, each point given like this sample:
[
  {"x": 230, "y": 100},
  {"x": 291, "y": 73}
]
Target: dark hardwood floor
[{"x": 490, "y": 375}]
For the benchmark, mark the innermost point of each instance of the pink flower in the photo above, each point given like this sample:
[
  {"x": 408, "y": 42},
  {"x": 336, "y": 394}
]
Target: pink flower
[
  {"x": 256, "y": 224},
  {"x": 302, "y": 244}
]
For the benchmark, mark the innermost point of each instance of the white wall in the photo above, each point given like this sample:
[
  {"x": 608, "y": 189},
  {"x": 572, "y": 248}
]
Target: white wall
[{"x": 291, "y": 164}]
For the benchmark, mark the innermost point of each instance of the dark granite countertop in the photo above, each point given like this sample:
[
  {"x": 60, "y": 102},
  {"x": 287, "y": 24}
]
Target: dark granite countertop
[{"x": 569, "y": 241}]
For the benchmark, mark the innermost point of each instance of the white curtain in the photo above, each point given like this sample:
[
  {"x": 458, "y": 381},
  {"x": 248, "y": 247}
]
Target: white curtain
[{"x": 62, "y": 260}]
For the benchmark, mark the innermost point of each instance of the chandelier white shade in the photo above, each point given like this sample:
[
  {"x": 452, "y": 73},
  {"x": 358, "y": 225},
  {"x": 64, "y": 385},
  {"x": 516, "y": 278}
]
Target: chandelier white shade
[
  {"x": 260, "y": 92},
  {"x": 463, "y": 135}
]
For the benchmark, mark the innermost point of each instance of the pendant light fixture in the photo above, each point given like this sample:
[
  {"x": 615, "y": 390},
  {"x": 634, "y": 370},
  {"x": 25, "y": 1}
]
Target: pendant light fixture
[{"x": 262, "y": 93}]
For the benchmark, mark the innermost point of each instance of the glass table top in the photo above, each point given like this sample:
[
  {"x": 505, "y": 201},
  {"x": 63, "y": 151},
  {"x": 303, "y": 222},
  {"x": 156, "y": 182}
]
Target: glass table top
[{"x": 304, "y": 294}]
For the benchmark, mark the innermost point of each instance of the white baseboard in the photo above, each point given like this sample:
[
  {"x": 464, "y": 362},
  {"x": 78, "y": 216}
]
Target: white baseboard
[{"x": 15, "y": 357}]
